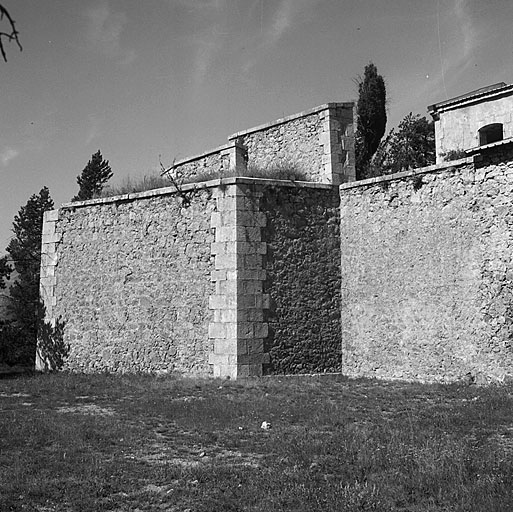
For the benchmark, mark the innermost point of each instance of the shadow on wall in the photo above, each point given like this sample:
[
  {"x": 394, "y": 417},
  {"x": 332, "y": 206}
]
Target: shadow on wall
[
  {"x": 303, "y": 280},
  {"x": 51, "y": 349}
]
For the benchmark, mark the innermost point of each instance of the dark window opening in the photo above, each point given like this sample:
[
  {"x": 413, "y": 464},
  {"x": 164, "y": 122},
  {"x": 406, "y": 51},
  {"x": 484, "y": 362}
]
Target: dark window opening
[{"x": 490, "y": 133}]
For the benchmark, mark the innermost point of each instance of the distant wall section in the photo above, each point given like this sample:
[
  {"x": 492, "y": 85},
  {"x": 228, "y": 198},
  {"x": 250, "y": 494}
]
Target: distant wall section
[
  {"x": 427, "y": 272},
  {"x": 227, "y": 160},
  {"x": 318, "y": 142}
]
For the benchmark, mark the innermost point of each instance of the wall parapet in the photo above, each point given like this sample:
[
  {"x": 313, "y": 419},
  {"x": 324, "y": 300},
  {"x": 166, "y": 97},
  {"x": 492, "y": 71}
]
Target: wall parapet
[
  {"x": 318, "y": 142},
  {"x": 293, "y": 117},
  {"x": 192, "y": 187},
  {"x": 455, "y": 164},
  {"x": 229, "y": 158}
]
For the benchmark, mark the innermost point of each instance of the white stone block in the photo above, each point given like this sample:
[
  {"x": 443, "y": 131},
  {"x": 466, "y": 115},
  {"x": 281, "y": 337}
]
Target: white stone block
[
  {"x": 49, "y": 239},
  {"x": 226, "y": 234},
  {"x": 51, "y": 215},
  {"x": 48, "y": 228}
]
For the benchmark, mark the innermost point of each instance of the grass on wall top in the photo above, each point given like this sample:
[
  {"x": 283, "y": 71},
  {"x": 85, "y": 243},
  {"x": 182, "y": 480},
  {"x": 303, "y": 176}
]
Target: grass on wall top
[{"x": 129, "y": 185}]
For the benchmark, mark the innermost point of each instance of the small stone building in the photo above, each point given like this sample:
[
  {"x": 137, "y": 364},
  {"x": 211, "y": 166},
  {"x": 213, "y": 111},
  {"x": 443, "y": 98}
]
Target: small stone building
[{"x": 472, "y": 120}]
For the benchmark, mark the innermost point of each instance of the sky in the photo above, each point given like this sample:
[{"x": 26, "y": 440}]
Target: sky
[{"x": 143, "y": 79}]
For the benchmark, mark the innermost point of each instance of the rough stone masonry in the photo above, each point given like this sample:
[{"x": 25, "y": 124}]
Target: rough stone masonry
[
  {"x": 130, "y": 278},
  {"x": 405, "y": 276},
  {"x": 149, "y": 282},
  {"x": 427, "y": 272}
]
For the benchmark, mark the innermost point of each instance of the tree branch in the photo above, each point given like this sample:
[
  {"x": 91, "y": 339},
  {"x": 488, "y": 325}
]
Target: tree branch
[
  {"x": 10, "y": 36},
  {"x": 168, "y": 172}
]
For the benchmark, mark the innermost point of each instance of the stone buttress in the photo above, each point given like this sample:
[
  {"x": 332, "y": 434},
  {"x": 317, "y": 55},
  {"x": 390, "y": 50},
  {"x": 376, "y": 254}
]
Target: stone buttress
[{"x": 238, "y": 329}]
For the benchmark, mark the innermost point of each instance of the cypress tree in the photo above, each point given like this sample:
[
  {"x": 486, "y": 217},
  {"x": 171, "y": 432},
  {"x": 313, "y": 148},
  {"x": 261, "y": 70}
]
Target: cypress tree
[{"x": 371, "y": 118}]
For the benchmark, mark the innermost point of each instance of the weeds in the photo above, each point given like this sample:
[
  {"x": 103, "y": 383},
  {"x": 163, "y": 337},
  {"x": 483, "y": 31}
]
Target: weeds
[
  {"x": 453, "y": 154},
  {"x": 279, "y": 171},
  {"x": 131, "y": 185},
  {"x": 102, "y": 442}
]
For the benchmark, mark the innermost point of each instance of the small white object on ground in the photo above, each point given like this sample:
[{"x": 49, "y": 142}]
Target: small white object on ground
[{"x": 265, "y": 425}]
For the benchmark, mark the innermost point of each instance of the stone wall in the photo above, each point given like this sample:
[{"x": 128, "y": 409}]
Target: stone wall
[
  {"x": 277, "y": 258},
  {"x": 318, "y": 142},
  {"x": 222, "y": 161},
  {"x": 427, "y": 273},
  {"x": 130, "y": 279},
  {"x": 302, "y": 279},
  {"x": 231, "y": 278}
]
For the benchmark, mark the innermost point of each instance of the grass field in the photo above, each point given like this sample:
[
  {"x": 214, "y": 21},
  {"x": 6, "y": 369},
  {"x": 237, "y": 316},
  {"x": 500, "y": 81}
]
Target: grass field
[{"x": 141, "y": 443}]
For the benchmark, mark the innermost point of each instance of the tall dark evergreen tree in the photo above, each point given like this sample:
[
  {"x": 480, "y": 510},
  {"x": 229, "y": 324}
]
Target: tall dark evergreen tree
[
  {"x": 93, "y": 178},
  {"x": 371, "y": 118},
  {"x": 24, "y": 256}
]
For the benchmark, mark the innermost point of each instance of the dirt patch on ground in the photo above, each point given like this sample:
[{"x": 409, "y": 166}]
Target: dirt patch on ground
[{"x": 91, "y": 409}]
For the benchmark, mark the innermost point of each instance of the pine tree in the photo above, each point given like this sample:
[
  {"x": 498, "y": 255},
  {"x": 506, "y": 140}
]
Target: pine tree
[
  {"x": 24, "y": 252},
  {"x": 93, "y": 178},
  {"x": 371, "y": 118}
]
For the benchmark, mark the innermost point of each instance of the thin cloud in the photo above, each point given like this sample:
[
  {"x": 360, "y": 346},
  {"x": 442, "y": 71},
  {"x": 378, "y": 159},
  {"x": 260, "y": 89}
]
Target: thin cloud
[
  {"x": 458, "y": 39},
  {"x": 259, "y": 26},
  {"x": 95, "y": 128},
  {"x": 104, "y": 31},
  {"x": 7, "y": 155},
  {"x": 467, "y": 27},
  {"x": 206, "y": 50},
  {"x": 211, "y": 18},
  {"x": 285, "y": 18},
  {"x": 282, "y": 20},
  {"x": 200, "y": 5}
]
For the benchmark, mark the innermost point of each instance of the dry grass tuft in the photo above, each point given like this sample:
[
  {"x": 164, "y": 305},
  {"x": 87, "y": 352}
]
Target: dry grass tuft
[{"x": 279, "y": 171}]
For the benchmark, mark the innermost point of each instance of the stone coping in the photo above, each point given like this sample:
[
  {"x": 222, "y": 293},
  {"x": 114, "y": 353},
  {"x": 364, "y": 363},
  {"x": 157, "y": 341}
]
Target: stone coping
[
  {"x": 478, "y": 149},
  {"x": 292, "y": 117},
  {"x": 408, "y": 174},
  {"x": 209, "y": 152},
  {"x": 190, "y": 187}
]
